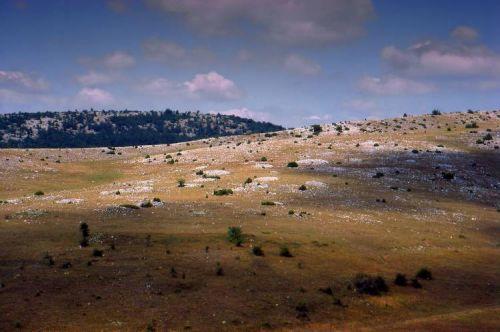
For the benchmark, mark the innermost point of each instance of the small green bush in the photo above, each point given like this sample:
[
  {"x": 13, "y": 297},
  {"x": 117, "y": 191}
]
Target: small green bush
[
  {"x": 292, "y": 164},
  {"x": 424, "y": 273},
  {"x": 181, "y": 183},
  {"x": 235, "y": 235},
  {"x": 371, "y": 285},
  {"x": 285, "y": 252},
  {"x": 268, "y": 203},
  {"x": 223, "y": 192},
  {"x": 400, "y": 280},
  {"x": 39, "y": 193},
  {"x": 303, "y": 187},
  {"x": 257, "y": 251}
]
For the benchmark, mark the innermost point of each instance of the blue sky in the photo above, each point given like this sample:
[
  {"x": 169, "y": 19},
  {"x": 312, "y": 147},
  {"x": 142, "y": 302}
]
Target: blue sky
[{"x": 291, "y": 62}]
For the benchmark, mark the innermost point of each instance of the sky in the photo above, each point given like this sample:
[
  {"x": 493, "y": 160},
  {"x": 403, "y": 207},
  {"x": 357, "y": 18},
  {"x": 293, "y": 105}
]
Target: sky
[{"x": 291, "y": 62}]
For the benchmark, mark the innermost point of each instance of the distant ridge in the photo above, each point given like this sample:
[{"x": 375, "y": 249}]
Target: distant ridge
[{"x": 119, "y": 128}]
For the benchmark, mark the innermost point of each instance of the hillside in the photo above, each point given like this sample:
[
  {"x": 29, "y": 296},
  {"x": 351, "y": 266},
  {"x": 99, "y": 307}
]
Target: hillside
[
  {"x": 119, "y": 128},
  {"x": 387, "y": 225}
]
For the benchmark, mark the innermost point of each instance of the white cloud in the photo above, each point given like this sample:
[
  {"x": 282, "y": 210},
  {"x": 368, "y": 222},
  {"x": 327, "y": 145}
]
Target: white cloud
[
  {"x": 94, "y": 78},
  {"x": 212, "y": 85},
  {"x": 301, "y": 65},
  {"x": 245, "y": 113},
  {"x": 209, "y": 86},
  {"x": 452, "y": 58},
  {"x": 161, "y": 87},
  {"x": 393, "y": 85},
  {"x": 117, "y": 60},
  {"x": 160, "y": 49},
  {"x": 360, "y": 105},
  {"x": 22, "y": 80},
  {"x": 464, "y": 33},
  {"x": 175, "y": 54},
  {"x": 91, "y": 97},
  {"x": 319, "y": 22}
]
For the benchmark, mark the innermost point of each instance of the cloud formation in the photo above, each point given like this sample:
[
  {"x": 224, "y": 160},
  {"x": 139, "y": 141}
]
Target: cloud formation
[
  {"x": 464, "y": 33},
  {"x": 316, "y": 22},
  {"x": 118, "y": 60},
  {"x": 452, "y": 58},
  {"x": 209, "y": 86},
  {"x": 22, "y": 80},
  {"x": 392, "y": 85},
  {"x": 94, "y": 97},
  {"x": 94, "y": 78},
  {"x": 300, "y": 65},
  {"x": 175, "y": 54},
  {"x": 214, "y": 86}
]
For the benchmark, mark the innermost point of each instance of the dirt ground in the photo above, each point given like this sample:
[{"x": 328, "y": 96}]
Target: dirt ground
[{"x": 373, "y": 197}]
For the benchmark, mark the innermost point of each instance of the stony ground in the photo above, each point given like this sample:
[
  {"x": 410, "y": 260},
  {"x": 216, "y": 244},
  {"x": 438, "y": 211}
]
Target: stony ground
[{"x": 371, "y": 197}]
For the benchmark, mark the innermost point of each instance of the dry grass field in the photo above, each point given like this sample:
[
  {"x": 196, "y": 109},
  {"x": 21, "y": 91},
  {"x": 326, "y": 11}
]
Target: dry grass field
[{"x": 371, "y": 197}]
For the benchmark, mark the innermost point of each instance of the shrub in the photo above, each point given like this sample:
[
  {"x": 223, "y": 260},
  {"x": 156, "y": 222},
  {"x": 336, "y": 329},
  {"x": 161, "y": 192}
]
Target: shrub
[
  {"x": 371, "y": 285},
  {"x": 487, "y": 137},
  {"x": 400, "y": 280},
  {"x": 146, "y": 204},
  {"x": 181, "y": 183},
  {"x": 200, "y": 172},
  {"x": 448, "y": 175},
  {"x": 424, "y": 273},
  {"x": 436, "y": 112},
  {"x": 302, "y": 310},
  {"x": 415, "y": 283},
  {"x": 290, "y": 212},
  {"x": 48, "y": 259},
  {"x": 471, "y": 125},
  {"x": 157, "y": 200},
  {"x": 130, "y": 206},
  {"x": 247, "y": 181},
  {"x": 218, "y": 270},
  {"x": 378, "y": 175},
  {"x": 84, "y": 229},
  {"x": 97, "y": 253},
  {"x": 223, "y": 192},
  {"x": 303, "y": 187},
  {"x": 39, "y": 193},
  {"x": 269, "y": 203},
  {"x": 292, "y": 164},
  {"x": 257, "y": 251},
  {"x": 316, "y": 129},
  {"x": 235, "y": 235},
  {"x": 263, "y": 159},
  {"x": 285, "y": 252}
]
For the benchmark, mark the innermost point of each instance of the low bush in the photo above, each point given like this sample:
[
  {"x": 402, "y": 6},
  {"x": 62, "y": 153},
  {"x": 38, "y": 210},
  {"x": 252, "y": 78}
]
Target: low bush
[
  {"x": 39, "y": 193},
  {"x": 268, "y": 203},
  {"x": 285, "y": 252},
  {"x": 235, "y": 235},
  {"x": 371, "y": 285},
  {"x": 223, "y": 192},
  {"x": 303, "y": 187},
  {"x": 257, "y": 251},
  {"x": 424, "y": 273},
  {"x": 218, "y": 270},
  {"x": 400, "y": 280},
  {"x": 292, "y": 164},
  {"x": 448, "y": 175}
]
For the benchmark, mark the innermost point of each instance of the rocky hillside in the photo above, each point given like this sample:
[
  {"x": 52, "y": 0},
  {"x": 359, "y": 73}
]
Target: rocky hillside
[{"x": 119, "y": 128}]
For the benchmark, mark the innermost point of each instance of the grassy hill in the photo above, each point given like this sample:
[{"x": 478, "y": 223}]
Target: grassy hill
[
  {"x": 306, "y": 229},
  {"x": 119, "y": 128}
]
